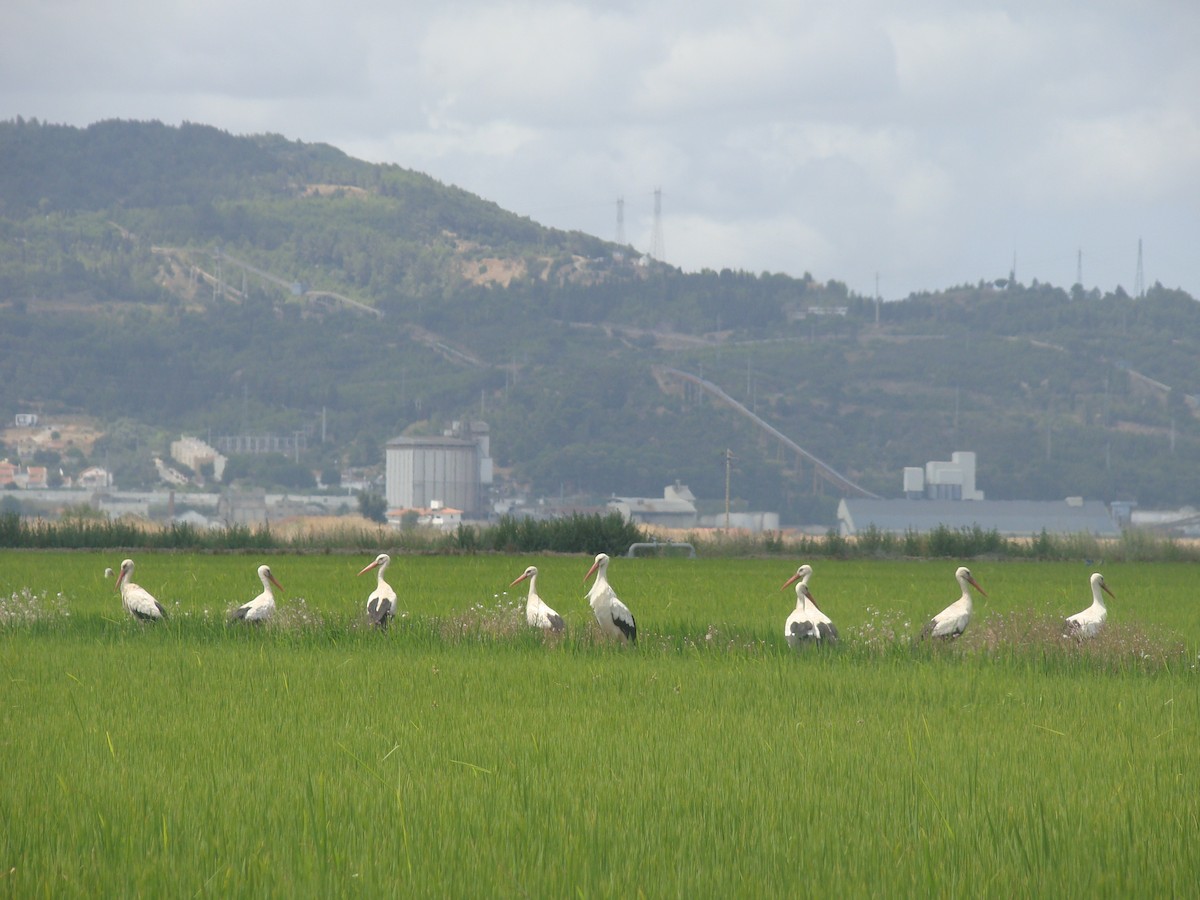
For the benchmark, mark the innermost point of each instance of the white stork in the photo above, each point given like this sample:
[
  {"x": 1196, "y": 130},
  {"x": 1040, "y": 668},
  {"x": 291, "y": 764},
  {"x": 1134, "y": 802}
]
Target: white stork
[
  {"x": 613, "y": 616},
  {"x": 537, "y": 613},
  {"x": 138, "y": 601},
  {"x": 1087, "y": 624},
  {"x": 807, "y": 622},
  {"x": 381, "y": 604},
  {"x": 952, "y": 621},
  {"x": 261, "y": 607}
]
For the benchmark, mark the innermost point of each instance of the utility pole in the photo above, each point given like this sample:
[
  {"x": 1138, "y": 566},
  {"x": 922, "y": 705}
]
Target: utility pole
[
  {"x": 657, "y": 250},
  {"x": 728, "y": 467}
]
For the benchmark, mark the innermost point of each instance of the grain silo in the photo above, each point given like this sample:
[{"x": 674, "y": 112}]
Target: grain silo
[{"x": 448, "y": 470}]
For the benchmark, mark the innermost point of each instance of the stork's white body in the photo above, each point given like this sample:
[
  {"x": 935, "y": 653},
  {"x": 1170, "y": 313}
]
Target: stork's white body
[
  {"x": 1089, "y": 622},
  {"x": 613, "y": 616},
  {"x": 261, "y": 607},
  {"x": 537, "y": 613},
  {"x": 952, "y": 621},
  {"x": 807, "y": 624},
  {"x": 138, "y": 601},
  {"x": 381, "y": 604}
]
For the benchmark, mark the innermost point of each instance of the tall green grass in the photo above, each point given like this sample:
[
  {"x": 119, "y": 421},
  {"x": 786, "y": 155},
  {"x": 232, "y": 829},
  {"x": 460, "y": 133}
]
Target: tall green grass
[{"x": 460, "y": 754}]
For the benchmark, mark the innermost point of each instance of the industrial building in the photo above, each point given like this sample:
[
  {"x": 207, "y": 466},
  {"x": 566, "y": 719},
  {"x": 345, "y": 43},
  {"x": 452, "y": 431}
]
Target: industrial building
[
  {"x": 943, "y": 495},
  {"x": 451, "y": 470},
  {"x": 953, "y": 480},
  {"x": 676, "y": 508},
  {"x": 1009, "y": 518}
]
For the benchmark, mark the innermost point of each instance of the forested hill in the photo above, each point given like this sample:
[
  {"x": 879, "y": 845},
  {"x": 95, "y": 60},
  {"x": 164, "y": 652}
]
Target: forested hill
[{"x": 166, "y": 279}]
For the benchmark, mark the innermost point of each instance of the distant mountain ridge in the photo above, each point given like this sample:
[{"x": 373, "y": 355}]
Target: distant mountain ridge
[{"x": 168, "y": 279}]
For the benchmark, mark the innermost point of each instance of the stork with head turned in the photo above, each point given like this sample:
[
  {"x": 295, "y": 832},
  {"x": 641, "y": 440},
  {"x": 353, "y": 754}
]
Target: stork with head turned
[
  {"x": 807, "y": 622},
  {"x": 1088, "y": 623},
  {"x": 612, "y": 615},
  {"x": 138, "y": 601},
  {"x": 537, "y": 613},
  {"x": 952, "y": 621},
  {"x": 381, "y": 604},
  {"x": 261, "y": 607}
]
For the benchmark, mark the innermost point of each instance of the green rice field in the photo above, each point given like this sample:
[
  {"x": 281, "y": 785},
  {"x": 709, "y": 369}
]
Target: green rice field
[{"x": 461, "y": 755}]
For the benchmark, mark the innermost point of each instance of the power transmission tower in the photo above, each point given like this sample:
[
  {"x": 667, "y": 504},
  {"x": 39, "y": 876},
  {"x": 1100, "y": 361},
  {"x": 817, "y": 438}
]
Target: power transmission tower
[
  {"x": 621, "y": 221},
  {"x": 656, "y": 249},
  {"x": 1139, "y": 280},
  {"x": 1079, "y": 268}
]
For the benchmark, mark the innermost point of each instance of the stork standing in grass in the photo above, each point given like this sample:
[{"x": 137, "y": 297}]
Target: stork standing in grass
[
  {"x": 537, "y": 613},
  {"x": 138, "y": 601},
  {"x": 261, "y": 607},
  {"x": 807, "y": 622},
  {"x": 612, "y": 615},
  {"x": 381, "y": 604},
  {"x": 952, "y": 621},
  {"x": 1088, "y": 623}
]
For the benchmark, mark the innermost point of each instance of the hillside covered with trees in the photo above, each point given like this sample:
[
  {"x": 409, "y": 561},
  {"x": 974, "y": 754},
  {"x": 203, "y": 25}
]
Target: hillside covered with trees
[{"x": 168, "y": 280}]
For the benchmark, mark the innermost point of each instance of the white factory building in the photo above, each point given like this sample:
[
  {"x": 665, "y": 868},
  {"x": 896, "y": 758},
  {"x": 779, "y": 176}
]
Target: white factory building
[
  {"x": 953, "y": 480},
  {"x": 452, "y": 470}
]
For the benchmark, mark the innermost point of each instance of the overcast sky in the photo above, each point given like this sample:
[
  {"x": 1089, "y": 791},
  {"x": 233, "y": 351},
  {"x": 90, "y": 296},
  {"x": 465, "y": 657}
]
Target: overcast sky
[{"x": 926, "y": 143}]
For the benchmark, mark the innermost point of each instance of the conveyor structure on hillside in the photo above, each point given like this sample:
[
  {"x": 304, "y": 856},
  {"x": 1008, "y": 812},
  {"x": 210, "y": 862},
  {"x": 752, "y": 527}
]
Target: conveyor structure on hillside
[{"x": 821, "y": 469}]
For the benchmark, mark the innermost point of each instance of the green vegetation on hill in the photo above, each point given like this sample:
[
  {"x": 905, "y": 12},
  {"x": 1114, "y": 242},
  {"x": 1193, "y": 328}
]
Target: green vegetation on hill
[{"x": 111, "y": 238}]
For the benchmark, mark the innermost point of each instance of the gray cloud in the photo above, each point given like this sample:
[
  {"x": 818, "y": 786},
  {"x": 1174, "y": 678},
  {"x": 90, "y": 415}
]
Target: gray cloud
[{"x": 927, "y": 144}]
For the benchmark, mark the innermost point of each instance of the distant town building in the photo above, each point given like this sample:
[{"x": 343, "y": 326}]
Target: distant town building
[
  {"x": 94, "y": 478},
  {"x": 243, "y": 507},
  {"x": 168, "y": 474},
  {"x": 445, "y": 518},
  {"x": 254, "y": 444},
  {"x": 117, "y": 505},
  {"x": 195, "y": 453}
]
